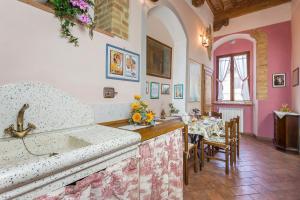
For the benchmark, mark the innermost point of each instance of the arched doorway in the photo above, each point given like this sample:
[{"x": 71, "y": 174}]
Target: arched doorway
[
  {"x": 171, "y": 27},
  {"x": 247, "y": 37}
]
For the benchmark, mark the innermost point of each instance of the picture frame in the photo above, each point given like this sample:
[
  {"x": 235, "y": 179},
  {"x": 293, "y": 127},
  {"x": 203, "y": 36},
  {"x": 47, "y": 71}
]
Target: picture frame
[
  {"x": 122, "y": 64},
  {"x": 147, "y": 87},
  {"x": 159, "y": 59},
  {"x": 165, "y": 89},
  {"x": 295, "y": 78},
  {"x": 178, "y": 91},
  {"x": 279, "y": 80},
  {"x": 154, "y": 90}
]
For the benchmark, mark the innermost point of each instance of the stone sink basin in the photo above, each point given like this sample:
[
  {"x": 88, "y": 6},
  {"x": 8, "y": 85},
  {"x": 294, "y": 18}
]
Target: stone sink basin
[
  {"x": 40, "y": 146},
  {"x": 80, "y": 151}
]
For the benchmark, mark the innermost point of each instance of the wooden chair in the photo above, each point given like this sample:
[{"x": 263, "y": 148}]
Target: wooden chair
[
  {"x": 188, "y": 148},
  {"x": 221, "y": 143},
  {"x": 206, "y": 114},
  {"x": 238, "y": 136},
  {"x": 216, "y": 115},
  {"x": 213, "y": 114},
  {"x": 233, "y": 140}
]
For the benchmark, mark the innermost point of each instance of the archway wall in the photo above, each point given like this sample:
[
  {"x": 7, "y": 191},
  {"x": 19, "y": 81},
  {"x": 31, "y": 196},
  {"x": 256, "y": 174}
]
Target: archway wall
[
  {"x": 153, "y": 25},
  {"x": 238, "y": 46},
  {"x": 192, "y": 27},
  {"x": 179, "y": 50},
  {"x": 278, "y": 61}
]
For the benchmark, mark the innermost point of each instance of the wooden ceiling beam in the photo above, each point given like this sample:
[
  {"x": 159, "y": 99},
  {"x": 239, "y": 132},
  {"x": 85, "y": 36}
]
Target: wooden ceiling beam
[
  {"x": 211, "y": 6},
  {"x": 258, "y": 5},
  {"x": 198, "y": 3},
  {"x": 221, "y": 4},
  {"x": 233, "y": 3},
  {"x": 219, "y": 24}
]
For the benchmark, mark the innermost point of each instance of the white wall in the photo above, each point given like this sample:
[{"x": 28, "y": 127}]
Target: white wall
[
  {"x": 31, "y": 49},
  {"x": 274, "y": 15},
  {"x": 179, "y": 39},
  {"x": 158, "y": 31},
  {"x": 203, "y": 12},
  {"x": 194, "y": 25}
]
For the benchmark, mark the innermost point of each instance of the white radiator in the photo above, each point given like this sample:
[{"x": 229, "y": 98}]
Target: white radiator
[{"x": 229, "y": 113}]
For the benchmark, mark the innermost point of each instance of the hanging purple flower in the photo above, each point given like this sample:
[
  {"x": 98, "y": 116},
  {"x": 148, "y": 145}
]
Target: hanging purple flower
[
  {"x": 85, "y": 19},
  {"x": 82, "y": 4}
]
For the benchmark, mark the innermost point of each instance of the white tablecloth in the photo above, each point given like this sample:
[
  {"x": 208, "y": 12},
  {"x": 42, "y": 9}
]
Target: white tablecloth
[{"x": 282, "y": 114}]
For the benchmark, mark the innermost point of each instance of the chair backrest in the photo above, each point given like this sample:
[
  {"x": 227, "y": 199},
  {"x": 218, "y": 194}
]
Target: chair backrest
[
  {"x": 228, "y": 128},
  {"x": 237, "y": 125},
  {"x": 216, "y": 114},
  {"x": 206, "y": 114},
  {"x": 233, "y": 130},
  {"x": 186, "y": 138}
]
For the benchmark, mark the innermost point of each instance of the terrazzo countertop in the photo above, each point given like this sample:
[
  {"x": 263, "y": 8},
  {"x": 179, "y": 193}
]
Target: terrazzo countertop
[{"x": 95, "y": 141}]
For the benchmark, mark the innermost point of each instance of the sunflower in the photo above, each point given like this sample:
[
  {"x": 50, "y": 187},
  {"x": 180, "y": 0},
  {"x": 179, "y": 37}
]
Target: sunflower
[
  {"x": 136, "y": 117},
  {"x": 149, "y": 117},
  {"x": 137, "y": 97},
  {"x": 135, "y": 105}
]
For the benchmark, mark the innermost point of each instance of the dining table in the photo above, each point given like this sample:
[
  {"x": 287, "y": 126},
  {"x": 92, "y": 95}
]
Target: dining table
[
  {"x": 206, "y": 127},
  {"x": 199, "y": 129}
]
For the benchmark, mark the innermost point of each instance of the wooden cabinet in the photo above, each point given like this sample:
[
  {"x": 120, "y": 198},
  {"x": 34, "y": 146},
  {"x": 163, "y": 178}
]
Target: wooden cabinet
[{"x": 286, "y": 132}]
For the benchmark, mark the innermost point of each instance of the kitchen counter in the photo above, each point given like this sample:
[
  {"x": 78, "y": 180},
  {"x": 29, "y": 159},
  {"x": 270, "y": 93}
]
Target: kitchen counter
[
  {"x": 105, "y": 145},
  {"x": 147, "y": 133}
]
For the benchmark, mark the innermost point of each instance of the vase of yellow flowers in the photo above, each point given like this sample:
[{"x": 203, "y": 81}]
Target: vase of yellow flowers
[{"x": 140, "y": 114}]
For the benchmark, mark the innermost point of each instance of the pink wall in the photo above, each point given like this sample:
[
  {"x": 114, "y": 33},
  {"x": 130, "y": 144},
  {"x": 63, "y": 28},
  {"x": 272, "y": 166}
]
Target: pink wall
[
  {"x": 279, "y": 61},
  {"x": 296, "y": 51},
  {"x": 240, "y": 45}
]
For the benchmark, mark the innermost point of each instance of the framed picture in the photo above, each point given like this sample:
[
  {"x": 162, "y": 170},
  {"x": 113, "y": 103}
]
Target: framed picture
[
  {"x": 178, "y": 91},
  {"x": 165, "y": 88},
  {"x": 147, "y": 87},
  {"x": 122, "y": 64},
  {"x": 159, "y": 59},
  {"x": 154, "y": 90},
  {"x": 295, "y": 78},
  {"x": 279, "y": 80}
]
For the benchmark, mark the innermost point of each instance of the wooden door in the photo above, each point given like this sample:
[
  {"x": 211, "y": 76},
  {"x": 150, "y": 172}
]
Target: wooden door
[{"x": 206, "y": 89}]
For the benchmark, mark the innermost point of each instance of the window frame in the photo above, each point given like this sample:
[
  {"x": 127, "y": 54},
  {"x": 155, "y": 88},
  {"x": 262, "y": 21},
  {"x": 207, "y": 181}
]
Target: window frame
[{"x": 247, "y": 53}]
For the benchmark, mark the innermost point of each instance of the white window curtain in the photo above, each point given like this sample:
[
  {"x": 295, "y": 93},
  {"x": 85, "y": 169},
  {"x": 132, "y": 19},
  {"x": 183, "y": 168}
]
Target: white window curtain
[
  {"x": 240, "y": 63},
  {"x": 224, "y": 65}
]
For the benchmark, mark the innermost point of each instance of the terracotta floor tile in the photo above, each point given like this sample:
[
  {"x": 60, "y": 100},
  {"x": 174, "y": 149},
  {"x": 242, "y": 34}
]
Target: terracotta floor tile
[
  {"x": 262, "y": 173},
  {"x": 243, "y": 190}
]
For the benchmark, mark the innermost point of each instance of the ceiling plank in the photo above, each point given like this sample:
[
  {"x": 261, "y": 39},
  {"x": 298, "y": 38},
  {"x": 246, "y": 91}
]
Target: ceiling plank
[
  {"x": 211, "y": 6},
  {"x": 236, "y": 12},
  {"x": 198, "y": 3},
  {"x": 219, "y": 24},
  {"x": 221, "y": 4},
  {"x": 233, "y": 3}
]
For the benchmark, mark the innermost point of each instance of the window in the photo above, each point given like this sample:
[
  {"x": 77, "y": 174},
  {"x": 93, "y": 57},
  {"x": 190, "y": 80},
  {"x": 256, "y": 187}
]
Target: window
[{"x": 233, "y": 77}]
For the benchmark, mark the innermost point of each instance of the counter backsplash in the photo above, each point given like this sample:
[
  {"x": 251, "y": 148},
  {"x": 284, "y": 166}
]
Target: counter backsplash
[{"x": 49, "y": 108}]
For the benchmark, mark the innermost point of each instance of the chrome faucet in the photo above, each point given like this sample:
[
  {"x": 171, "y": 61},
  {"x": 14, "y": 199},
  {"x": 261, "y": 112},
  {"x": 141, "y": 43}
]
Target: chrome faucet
[{"x": 20, "y": 132}]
